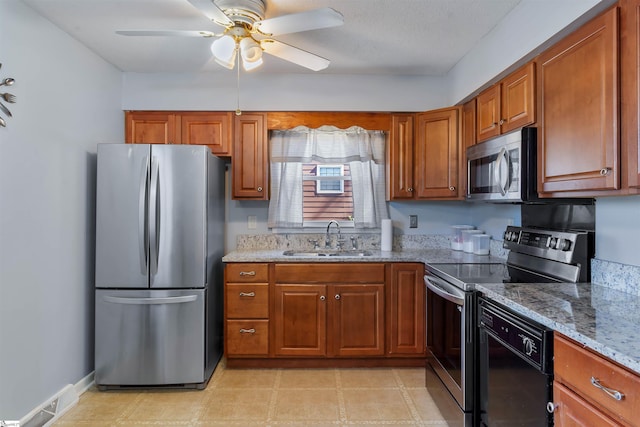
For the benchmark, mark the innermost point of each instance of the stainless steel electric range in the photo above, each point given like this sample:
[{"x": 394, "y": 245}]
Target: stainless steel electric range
[{"x": 535, "y": 256}]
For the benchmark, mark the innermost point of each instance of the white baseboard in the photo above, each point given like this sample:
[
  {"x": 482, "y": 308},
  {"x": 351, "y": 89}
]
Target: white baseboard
[{"x": 53, "y": 408}]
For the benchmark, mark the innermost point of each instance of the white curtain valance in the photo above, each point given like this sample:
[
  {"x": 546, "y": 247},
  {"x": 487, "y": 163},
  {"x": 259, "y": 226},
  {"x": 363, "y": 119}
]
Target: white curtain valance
[{"x": 362, "y": 149}]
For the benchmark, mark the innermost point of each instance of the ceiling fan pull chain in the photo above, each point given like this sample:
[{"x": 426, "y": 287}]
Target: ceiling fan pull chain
[{"x": 238, "y": 112}]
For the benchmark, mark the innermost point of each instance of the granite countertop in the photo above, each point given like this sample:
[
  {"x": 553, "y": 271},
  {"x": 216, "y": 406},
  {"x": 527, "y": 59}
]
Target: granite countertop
[
  {"x": 601, "y": 318},
  {"x": 427, "y": 256}
]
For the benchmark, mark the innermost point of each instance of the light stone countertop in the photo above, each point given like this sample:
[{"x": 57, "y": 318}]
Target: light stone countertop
[
  {"x": 426, "y": 256},
  {"x": 601, "y": 318}
]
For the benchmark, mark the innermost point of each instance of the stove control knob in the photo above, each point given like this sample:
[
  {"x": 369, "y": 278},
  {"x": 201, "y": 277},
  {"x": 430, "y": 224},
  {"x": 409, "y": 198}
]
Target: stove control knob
[
  {"x": 552, "y": 242},
  {"x": 563, "y": 244}
]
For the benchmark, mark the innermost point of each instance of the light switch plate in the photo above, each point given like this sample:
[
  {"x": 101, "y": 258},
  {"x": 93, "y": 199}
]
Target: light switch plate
[{"x": 251, "y": 222}]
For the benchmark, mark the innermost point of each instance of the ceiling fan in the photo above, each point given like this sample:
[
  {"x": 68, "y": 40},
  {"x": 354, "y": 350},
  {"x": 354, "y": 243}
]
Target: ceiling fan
[{"x": 248, "y": 33}]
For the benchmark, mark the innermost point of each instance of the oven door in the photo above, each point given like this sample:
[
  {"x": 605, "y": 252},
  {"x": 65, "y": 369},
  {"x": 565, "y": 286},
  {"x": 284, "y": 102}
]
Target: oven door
[{"x": 451, "y": 349}]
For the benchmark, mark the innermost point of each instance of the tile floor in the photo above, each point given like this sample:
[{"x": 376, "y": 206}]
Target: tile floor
[{"x": 270, "y": 397}]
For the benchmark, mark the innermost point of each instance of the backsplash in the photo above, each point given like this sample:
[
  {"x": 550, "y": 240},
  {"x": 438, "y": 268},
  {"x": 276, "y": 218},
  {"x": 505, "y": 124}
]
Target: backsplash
[
  {"x": 621, "y": 277},
  {"x": 296, "y": 241}
]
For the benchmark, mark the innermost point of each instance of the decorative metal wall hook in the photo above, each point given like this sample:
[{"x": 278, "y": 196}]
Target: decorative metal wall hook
[{"x": 6, "y": 97}]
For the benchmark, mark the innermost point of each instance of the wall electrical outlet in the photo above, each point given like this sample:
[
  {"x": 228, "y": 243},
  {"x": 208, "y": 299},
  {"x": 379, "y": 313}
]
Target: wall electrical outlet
[
  {"x": 413, "y": 221},
  {"x": 251, "y": 222}
]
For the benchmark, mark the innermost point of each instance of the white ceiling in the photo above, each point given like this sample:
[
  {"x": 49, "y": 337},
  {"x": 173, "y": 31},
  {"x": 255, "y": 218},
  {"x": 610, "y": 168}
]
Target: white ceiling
[{"x": 401, "y": 37}]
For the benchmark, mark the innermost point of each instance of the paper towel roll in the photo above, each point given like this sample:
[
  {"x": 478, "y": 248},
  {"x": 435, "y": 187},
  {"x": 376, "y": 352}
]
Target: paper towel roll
[{"x": 386, "y": 238}]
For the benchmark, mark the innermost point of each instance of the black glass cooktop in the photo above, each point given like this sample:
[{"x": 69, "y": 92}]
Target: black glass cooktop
[{"x": 465, "y": 276}]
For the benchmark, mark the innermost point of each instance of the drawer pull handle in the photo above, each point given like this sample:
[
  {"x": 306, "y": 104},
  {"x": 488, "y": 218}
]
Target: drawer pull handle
[
  {"x": 247, "y": 294},
  {"x": 247, "y": 331},
  {"x": 247, "y": 273},
  {"x": 611, "y": 392}
]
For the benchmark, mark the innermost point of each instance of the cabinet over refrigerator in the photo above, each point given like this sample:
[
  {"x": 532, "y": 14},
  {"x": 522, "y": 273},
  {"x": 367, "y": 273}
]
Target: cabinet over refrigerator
[{"x": 159, "y": 245}]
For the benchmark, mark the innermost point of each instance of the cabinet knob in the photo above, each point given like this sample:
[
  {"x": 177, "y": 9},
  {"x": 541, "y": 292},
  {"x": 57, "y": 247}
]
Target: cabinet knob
[
  {"x": 452, "y": 188},
  {"x": 259, "y": 188},
  {"x": 337, "y": 296},
  {"x": 551, "y": 407},
  {"x": 322, "y": 298},
  {"x": 410, "y": 190},
  {"x": 501, "y": 122},
  {"x": 605, "y": 171}
]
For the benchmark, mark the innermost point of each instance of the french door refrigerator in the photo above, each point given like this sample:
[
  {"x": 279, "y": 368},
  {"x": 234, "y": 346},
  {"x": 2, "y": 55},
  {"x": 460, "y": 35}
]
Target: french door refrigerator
[{"x": 158, "y": 277}]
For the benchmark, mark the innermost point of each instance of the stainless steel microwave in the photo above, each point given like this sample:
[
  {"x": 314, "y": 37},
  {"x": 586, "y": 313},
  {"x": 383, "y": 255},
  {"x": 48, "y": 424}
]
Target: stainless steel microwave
[{"x": 503, "y": 170}]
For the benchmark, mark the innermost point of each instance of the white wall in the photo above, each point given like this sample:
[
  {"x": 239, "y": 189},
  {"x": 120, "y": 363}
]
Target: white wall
[
  {"x": 68, "y": 100},
  {"x": 618, "y": 229}
]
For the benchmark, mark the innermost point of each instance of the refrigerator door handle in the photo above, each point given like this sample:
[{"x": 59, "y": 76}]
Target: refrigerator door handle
[
  {"x": 154, "y": 216},
  {"x": 143, "y": 218},
  {"x": 151, "y": 301}
]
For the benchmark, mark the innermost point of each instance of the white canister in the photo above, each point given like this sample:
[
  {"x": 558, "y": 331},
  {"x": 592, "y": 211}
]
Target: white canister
[
  {"x": 467, "y": 243},
  {"x": 481, "y": 243},
  {"x": 456, "y": 239}
]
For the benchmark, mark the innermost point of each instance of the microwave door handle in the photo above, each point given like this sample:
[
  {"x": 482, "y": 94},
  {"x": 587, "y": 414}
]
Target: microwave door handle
[{"x": 502, "y": 184}]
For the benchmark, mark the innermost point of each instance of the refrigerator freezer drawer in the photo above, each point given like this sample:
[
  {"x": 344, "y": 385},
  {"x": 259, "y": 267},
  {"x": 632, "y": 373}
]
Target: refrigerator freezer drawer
[{"x": 150, "y": 337}]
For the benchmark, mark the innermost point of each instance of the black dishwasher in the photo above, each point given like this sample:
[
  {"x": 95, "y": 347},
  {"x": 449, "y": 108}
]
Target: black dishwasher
[{"x": 515, "y": 368}]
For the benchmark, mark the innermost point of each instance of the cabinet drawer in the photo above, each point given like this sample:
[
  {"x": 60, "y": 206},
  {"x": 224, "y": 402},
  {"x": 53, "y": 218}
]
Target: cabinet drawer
[
  {"x": 571, "y": 410},
  {"x": 247, "y": 300},
  {"x": 330, "y": 273},
  {"x": 247, "y": 272},
  {"x": 575, "y": 367},
  {"x": 247, "y": 337}
]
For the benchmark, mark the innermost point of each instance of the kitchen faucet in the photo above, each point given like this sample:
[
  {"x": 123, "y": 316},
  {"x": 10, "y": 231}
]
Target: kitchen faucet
[{"x": 327, "y": 243}]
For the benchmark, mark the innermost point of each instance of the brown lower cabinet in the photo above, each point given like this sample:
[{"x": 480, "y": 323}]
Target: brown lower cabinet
[
  {"x": 324, "y": 314},
  {"x": 578, "y": 398}
]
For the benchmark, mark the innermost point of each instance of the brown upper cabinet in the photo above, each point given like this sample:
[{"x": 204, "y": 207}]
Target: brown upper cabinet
[
  {"x": 630, "y": 95},
  {"x": 250, "y": 162},
  {"x": 213, "y": 129},
  {"x": 424, "y": 156},
  {"x": 438, "y": 158},
  {"x": 578, "y": 151},
  {"x": 507, "y": 105}
]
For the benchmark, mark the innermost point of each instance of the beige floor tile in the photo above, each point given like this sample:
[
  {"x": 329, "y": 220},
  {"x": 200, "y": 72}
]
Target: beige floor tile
[
  {"x": 237, "y": 405},
  {"x": 376, "y": 405},
  {"x": 308, "y": 378},
  {"x": 246, "y": 378},
  {"x": 424, "y": 404},
  {"x": 363, "y": 378},
  {"x": 97, "y": 406},
  {"x": 411, "y": 377},
  {"x": 307, "y": 405}
]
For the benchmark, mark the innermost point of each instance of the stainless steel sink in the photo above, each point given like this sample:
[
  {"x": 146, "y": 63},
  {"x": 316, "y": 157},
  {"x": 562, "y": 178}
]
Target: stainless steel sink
[{"x": 326, "y": 253}]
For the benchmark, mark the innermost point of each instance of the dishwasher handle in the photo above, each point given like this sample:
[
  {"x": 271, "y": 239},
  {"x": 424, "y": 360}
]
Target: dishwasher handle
[{"x": 444, "y": 290}]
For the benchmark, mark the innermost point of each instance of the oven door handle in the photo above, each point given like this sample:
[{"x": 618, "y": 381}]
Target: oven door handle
[{"x": 444, "y": 290}]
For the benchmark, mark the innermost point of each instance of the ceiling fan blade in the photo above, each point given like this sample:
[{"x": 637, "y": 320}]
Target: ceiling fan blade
[
  {"x": 295, "y": 55},
  {"x": 212, "y": 11},
  {"x": 303, "y": 21},
  {"x": 177, "y": 33}
]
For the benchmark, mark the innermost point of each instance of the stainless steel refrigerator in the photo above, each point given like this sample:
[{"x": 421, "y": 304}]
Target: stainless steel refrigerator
[{"x": 159, "y": 245}]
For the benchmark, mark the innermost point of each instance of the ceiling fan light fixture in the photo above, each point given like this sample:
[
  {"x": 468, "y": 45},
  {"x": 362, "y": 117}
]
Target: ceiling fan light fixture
[
  {"x": 224, "y": 50},
  {"x": 250, "y": 50},
  {"x": 248, "y": 66}
]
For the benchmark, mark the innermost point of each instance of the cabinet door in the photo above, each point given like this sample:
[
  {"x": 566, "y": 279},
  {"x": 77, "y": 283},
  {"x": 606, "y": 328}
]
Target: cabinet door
[
  {"x": 151, "y": 127},
  {"x": 517, "y": 106},
  {"x": 578, "y": 92},
  {"x": 437, "y": 148},
  {"x": 572, "y": 411},
  {"x": 488, "y": 113},
  {"x": 211, "y": 129},
  {"x": 250, "y": 162},
  {"x": 357, "y": 320},
  {"x": 406, "y": 308},
  {"x": 400, "y": 158},
  {"x": 300, "y": 320},
  {"x": 630, "y": 83}
]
